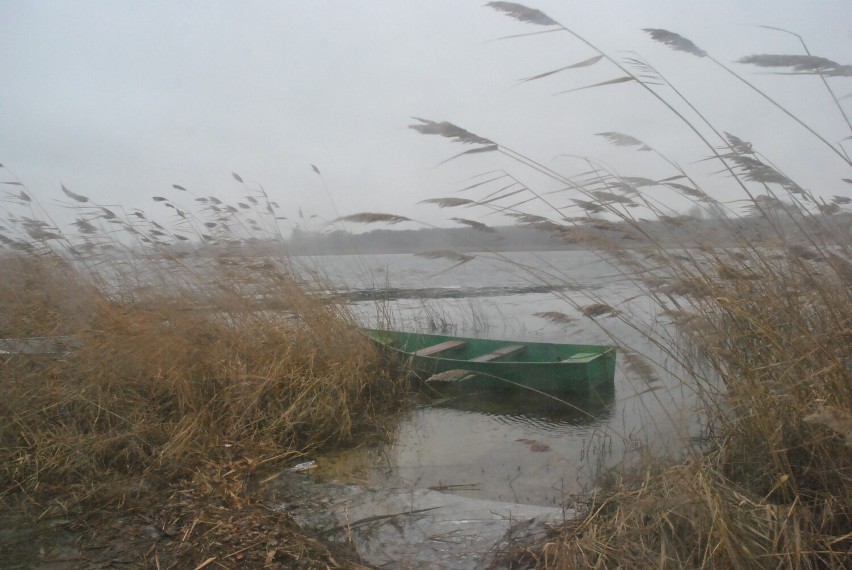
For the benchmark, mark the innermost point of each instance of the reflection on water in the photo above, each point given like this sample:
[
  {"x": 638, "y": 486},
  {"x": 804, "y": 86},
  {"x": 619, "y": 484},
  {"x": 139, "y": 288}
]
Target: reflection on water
[
  {"x": 533, "y": 411},
  {"x": 518, "y": 447},
  {"x": 524, "y": 449}
]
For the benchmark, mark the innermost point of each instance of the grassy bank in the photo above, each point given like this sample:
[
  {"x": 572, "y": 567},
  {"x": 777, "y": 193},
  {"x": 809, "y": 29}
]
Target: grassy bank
[
  {"x": 185, "y": 374},
  {"x": 770, "y": 486}
]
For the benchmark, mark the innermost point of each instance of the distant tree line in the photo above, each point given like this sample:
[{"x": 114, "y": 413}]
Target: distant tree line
[{"x": 683, "y": 231}]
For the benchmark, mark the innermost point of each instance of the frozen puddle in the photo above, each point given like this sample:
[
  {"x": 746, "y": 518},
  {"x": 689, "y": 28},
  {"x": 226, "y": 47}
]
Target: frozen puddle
[{"x": 411, "y": 529}]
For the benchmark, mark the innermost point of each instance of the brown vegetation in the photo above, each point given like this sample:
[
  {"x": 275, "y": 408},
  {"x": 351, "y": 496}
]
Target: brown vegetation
[
  {"x": 180, "y": 379},
  {"x": 771, "y": 488}
]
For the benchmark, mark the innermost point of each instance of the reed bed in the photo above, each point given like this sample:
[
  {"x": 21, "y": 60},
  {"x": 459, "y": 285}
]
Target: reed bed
[
  {"x": 770, "y": 486},
  {"x": 184, "y": 371},
  {"x": 756, "y": 297}
]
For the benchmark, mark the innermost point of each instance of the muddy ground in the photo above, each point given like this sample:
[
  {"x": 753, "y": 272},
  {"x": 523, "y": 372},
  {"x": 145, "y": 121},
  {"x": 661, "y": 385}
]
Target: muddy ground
[{"x": 235, "y": 518}]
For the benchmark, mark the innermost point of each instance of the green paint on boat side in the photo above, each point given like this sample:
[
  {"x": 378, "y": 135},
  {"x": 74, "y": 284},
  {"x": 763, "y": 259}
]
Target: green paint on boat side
[{"x": 502, "y": 364}]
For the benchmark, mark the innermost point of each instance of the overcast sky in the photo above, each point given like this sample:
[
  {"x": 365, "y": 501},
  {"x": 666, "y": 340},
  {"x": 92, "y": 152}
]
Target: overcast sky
[{"x": 119, "y": 100}]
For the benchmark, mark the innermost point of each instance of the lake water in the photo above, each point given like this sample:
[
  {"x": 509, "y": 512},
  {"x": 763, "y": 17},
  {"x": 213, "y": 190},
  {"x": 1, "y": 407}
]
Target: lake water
[{"x": 523, "y": 449}]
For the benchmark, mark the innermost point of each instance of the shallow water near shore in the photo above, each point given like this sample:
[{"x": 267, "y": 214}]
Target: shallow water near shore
[
  {"x": 517, "y": 447},
  {"x": 404, "y": 528},
  {"x": 490, "y": 450}
]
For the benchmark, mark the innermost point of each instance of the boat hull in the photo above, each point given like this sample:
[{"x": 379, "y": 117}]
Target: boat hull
[{"x": 492, "y": 364}]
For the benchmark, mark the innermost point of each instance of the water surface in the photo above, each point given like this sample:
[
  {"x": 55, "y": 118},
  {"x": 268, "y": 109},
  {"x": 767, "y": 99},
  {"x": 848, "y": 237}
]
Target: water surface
[{"x": 520, "y": 448}]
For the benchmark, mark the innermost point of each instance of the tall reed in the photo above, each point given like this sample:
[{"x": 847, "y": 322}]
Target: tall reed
[
  {"x": 190, "y": 354},
  {"x": 758, "y": 301}
]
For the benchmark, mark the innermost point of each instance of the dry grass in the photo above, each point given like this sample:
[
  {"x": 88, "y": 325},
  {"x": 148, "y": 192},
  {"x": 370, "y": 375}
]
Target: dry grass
[
  {"x": 772, "y": 489},
  {"x": 185, "y": 362}
]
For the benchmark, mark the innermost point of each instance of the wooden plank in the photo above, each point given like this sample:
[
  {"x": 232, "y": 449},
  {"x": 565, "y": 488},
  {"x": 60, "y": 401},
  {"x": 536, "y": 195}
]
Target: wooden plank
[
  {"x": 499, "y": 353},
  {"x": 580, "y": 355},
  {"x": 441, "y": 347}
]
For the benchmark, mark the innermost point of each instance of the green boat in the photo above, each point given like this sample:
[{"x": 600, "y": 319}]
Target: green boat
[{"x": 500, "y": 364}]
